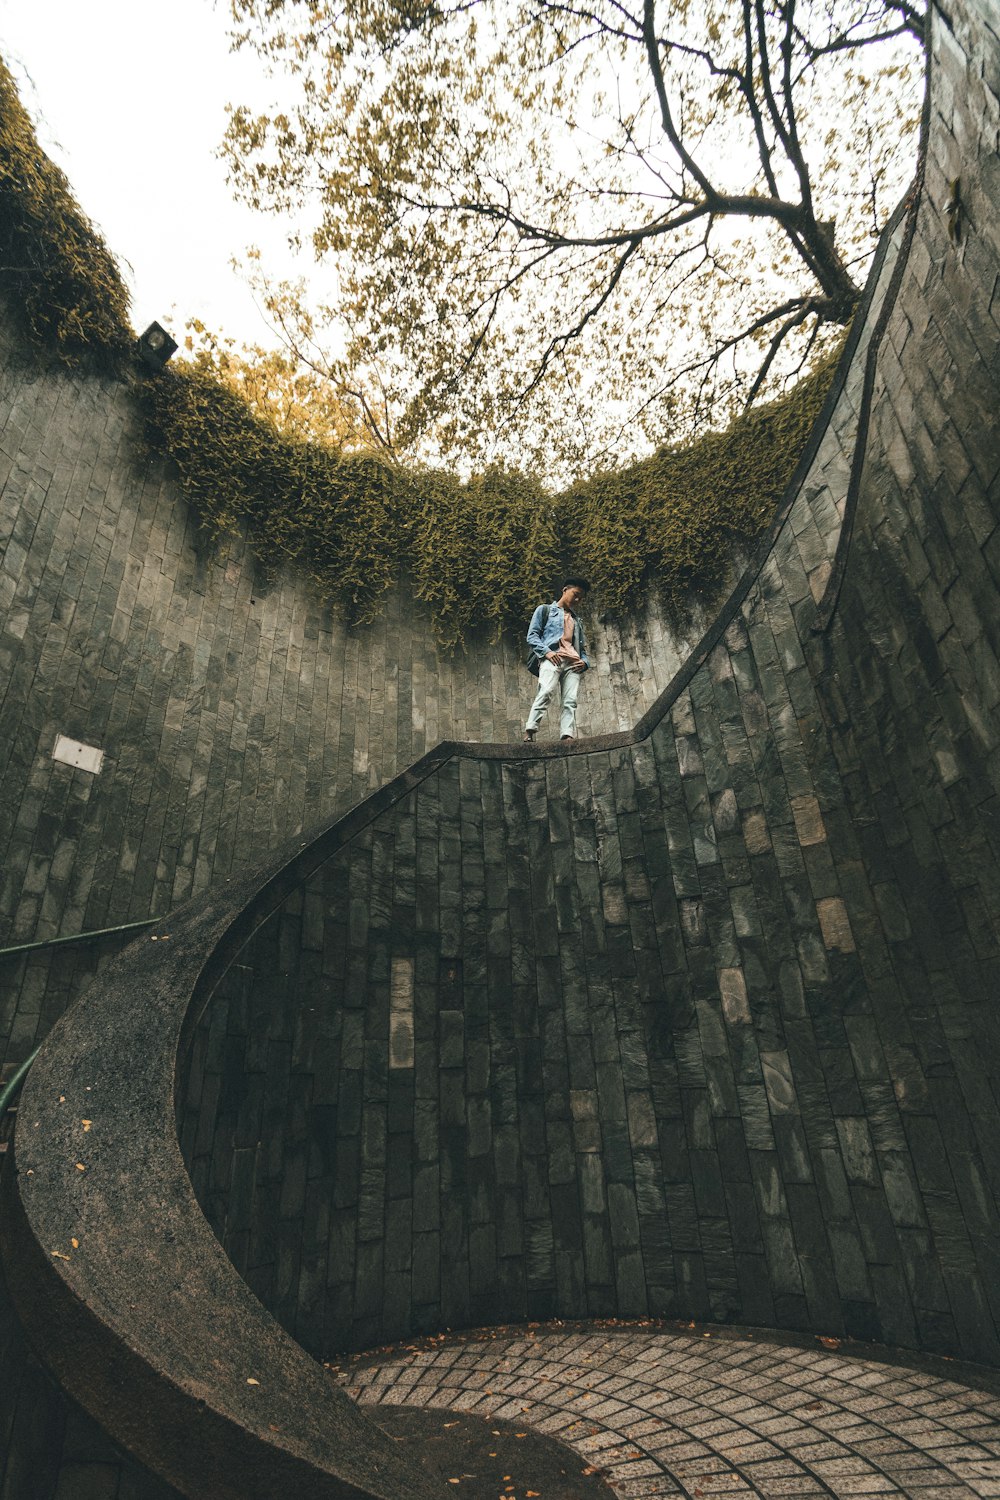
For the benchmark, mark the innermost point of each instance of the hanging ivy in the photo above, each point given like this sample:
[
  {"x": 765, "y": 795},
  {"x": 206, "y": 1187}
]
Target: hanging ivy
[
  {"x": 59, "y": 280},
  {"x": 479, "y": 553},
  {"x": 676, "y": 520}
]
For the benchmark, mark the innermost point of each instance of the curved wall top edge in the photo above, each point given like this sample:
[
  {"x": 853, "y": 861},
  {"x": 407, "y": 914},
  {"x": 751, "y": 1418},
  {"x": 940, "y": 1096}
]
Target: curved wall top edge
[{"x": 122, "y": 1286}]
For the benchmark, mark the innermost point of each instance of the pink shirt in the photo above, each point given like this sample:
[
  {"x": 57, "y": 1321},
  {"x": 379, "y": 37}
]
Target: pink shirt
[{"x": 566, "y": 649}]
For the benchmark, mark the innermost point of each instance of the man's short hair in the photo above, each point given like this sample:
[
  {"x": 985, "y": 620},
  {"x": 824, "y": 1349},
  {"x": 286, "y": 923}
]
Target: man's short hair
[{"x": 576, "y": 583}]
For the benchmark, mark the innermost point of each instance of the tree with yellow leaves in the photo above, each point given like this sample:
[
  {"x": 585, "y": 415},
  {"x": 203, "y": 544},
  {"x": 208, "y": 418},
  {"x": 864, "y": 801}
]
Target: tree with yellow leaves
[{"x": 568, "y": 229}]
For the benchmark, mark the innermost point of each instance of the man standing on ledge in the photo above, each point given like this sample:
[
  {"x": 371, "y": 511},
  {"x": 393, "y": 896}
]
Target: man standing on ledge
[{"x": 559, "y": 657}]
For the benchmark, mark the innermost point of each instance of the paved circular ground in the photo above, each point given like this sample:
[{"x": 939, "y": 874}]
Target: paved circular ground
[
  {"x": 491, "y": 1457},
  {"x": 706, "y": 1414}
]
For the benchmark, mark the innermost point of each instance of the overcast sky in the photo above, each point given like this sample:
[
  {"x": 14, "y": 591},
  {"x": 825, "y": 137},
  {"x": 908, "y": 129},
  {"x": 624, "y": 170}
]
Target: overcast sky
[{"x": 129, "y": 98}]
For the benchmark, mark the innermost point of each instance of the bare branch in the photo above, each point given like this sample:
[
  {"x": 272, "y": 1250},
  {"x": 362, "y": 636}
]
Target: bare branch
[
  {"x": 496, "y": 265},
  {"x": 669, "y": 127},
  {"x": 775, "y": 344},
  {"x": 749, "y": 206},
  {"x": 763, "y": 149},
  {"x": 559, "y": 342}
]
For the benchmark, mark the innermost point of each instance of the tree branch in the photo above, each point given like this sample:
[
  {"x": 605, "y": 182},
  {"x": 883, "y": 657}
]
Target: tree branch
[
  {"x": 775, "y": 344},
  {"x": 559, "y": 342},
  {"x": 669, "y": 127},
  {"x": 763, "y": 149}
]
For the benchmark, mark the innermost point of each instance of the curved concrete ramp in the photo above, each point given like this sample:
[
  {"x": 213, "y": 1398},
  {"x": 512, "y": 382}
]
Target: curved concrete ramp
[{"x": 120, "y": 1283}]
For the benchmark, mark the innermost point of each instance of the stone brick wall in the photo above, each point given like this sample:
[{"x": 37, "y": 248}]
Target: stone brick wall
[
  {"x": 909, "y": 686},
  {"x": 230, "y": 716},
  {"x": 701, "y": 1026},
  {"x": 49, "y": 1448}
]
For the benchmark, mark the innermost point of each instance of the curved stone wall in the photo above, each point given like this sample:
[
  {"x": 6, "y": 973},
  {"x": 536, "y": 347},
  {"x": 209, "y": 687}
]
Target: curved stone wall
[
  {"x": 698, "y": 1026},
  {"x": 511, "y": 1164},
  {"x": 229, "y": 716},
  {"x": 696, "y": 1020}
]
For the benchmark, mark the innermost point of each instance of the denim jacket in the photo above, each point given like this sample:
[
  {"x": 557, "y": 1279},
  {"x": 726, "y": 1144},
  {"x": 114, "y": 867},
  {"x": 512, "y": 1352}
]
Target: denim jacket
[{"x": 542, "y": 641}]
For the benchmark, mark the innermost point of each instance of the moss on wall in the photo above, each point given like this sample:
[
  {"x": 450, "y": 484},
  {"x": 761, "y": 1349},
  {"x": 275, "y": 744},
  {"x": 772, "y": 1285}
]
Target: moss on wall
[
  {"x": 59, "y": 280},
  {"x": 480, "y": 553}
]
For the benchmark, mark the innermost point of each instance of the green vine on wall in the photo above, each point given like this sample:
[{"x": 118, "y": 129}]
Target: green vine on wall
[
  {"x": 336, "y": 517},
  {"x": 676, "y": 520},
  {"x": 480, "y": 553},
  {"x": 60, "y": 282}
]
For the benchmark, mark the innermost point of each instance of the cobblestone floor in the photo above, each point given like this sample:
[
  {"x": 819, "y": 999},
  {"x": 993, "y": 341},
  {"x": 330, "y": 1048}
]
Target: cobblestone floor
[{"x": 665, "y": 1413}]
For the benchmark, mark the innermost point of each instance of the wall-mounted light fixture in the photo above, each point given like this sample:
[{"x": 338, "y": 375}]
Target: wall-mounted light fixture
[{"x": 156, "y": 346}]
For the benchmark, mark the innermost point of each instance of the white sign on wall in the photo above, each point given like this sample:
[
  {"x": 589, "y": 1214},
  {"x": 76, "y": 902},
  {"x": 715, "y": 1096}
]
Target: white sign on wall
[{"x": 72, "y": 753}]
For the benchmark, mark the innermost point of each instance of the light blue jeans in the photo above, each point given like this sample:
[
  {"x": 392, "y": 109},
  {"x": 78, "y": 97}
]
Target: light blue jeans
[{"x": 550, "y": 677}]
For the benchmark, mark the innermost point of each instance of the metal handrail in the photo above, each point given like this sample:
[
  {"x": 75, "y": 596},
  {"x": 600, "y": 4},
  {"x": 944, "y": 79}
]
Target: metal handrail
[
  {"x": 79, "y": 937},
  {"x": 11, "y": 1087}
]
